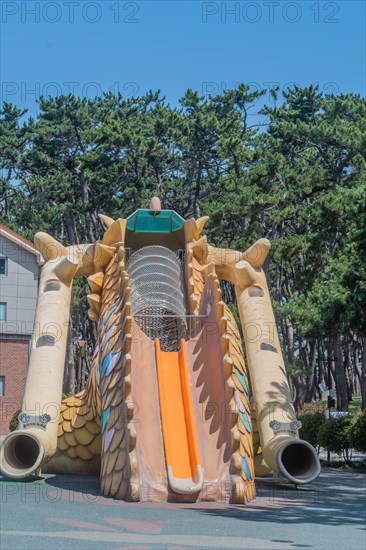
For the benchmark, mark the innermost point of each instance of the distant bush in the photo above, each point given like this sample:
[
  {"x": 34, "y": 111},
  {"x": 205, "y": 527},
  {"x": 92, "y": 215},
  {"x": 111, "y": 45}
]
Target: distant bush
[
  {"x": 334, "y": 435},
  {"x": 13, "y": 424},
  {"x": 357, "y": 433},
  {"x": 310, "y": 426}
]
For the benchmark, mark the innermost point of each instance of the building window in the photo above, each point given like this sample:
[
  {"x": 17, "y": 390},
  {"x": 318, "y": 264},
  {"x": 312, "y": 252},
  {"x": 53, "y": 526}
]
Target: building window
[
  {"x": 2, "y": 311},
  {"x": 3, "y": 267},
  {"x": 2, "y": 385}
]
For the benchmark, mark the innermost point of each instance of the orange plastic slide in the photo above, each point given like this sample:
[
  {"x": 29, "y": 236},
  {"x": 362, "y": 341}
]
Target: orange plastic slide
[{"x": 177, "y": 417}]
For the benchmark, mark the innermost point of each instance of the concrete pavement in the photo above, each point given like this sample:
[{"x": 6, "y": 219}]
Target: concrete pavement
[{"x": 67, "y": 512}]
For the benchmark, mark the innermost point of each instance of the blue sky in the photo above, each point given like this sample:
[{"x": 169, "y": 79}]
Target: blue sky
[{"x": 88, "y": 47}]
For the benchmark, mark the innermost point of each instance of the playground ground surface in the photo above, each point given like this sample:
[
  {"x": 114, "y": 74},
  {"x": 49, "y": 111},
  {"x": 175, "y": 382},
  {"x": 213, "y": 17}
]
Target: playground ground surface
[{"x": 65, "y": 512}]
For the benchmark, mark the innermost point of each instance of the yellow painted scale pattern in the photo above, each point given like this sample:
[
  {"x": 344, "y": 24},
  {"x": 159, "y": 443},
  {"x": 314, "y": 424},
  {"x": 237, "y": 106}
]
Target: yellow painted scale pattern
[{"x": 79, "y": 423}]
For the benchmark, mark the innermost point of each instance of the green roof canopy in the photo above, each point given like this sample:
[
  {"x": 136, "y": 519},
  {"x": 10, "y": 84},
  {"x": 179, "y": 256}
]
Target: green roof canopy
[{"x": 154, "y": 221}]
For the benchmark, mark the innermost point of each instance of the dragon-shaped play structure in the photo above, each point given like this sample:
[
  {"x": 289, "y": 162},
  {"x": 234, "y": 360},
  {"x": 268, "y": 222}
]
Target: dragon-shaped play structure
[{"x": 168, "y": 412}]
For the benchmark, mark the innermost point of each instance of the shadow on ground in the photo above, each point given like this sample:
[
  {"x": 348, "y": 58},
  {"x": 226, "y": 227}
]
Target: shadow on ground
[{"x": 337, "y": 498}]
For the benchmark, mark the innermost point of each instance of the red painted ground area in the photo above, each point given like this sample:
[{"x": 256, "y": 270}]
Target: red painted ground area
[
  {"x": 82, "y": 524},
  {"x": 147, "y": 527}
]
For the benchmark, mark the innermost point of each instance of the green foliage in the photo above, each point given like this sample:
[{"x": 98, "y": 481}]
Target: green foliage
[
  {"x": 66, "y": 395},
  {"x": 311, "y": 423},
  {"x": 334, "y": 435},
  {"x": 13, "y": 424},
  {"x": 337, "y": 434},
  {"x": 297, "y": 368},
  {"x": 357, "y": 433}
]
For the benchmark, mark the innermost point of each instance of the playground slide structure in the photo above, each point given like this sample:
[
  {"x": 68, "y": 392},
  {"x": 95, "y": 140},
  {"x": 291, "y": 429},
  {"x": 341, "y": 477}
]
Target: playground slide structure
[
  {"x": 168, "y": 412},
  {"x": 177, "y": 419}
]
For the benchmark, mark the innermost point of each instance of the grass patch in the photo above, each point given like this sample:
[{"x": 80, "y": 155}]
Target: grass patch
[{"x": 354, "y": 406}]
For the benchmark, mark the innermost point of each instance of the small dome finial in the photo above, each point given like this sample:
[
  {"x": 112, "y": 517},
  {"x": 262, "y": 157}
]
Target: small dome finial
[{"x": 155, "y": 204}]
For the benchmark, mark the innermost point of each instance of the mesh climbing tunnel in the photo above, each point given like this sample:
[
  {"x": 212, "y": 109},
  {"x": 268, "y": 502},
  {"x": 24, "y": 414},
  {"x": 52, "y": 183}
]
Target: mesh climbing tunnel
[{"x": 157, "y": 295}]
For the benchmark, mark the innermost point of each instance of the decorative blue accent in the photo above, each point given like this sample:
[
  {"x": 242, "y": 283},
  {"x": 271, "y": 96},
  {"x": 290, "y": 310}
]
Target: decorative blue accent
[
  {"x": 105, "y": 416},
  {"x": 105, "y": 364},
  {"x": 242, "y": 380},
  {"x": 246, "y": 468},
  {"x": 246, "y": 421},
  {"x": 107, "y": 315}
]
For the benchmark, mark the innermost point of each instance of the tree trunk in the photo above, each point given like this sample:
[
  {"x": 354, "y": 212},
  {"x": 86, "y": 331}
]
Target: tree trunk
[
  {"x": 311, "y": 364},
  {"x": 70, "y": 227},
  {"x": 84, "y": 191},
  {"x": 340, "y": 375},
  {"x": 296, "y": 380},
  {"x": 69, "y": 383},
  {"x": 363, "y": 375}
]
